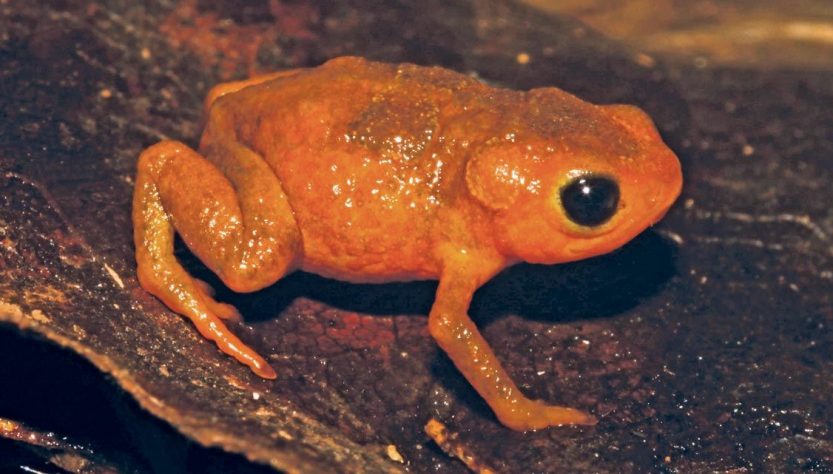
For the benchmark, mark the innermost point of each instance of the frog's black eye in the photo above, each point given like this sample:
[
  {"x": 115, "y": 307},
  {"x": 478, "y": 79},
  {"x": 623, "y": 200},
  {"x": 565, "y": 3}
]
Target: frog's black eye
[{"x": 590, "y": 200}]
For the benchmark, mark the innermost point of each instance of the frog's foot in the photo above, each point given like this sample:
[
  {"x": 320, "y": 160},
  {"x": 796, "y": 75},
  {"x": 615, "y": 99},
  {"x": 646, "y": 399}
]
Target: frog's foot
[
  {"x": 222, "y": 310},
  {"x": 179, "y": 292},
  {"x": 535, "y": 415},
  {"x": 212, "y": 328}
]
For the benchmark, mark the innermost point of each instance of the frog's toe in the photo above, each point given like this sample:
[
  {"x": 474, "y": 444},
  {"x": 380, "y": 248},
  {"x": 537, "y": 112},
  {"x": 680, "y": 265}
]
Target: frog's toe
[
  {"x": 538, "y": 415},
  {"x": 263, "y": 369},
  {"x": 557, "y": 416},
  {"x": 225, "y": 311},
  {"x": 203, "y": 286},
  {"x": 221, "y": 310}
]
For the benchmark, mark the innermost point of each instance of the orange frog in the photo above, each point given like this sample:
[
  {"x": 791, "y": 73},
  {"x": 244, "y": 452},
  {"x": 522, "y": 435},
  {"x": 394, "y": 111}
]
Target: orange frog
[{"x": 371, "y": 172}]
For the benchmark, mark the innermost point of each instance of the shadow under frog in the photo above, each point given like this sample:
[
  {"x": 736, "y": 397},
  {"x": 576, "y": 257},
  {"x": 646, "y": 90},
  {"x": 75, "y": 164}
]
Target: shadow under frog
[
  {"x": 588, "y": 289},
  {"x": 595, "y": 288}
]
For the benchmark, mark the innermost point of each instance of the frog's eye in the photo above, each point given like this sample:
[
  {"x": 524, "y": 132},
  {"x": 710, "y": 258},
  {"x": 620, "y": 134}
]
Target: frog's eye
[{"x": 590, "y": 200}]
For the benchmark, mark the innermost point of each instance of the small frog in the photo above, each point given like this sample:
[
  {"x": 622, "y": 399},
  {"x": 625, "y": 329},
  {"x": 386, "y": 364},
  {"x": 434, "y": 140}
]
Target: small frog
[{"x": 371, "y": 172}]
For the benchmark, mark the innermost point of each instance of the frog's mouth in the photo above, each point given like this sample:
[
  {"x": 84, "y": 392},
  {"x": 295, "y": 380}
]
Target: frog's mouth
[{"x": 624, "y": 229}]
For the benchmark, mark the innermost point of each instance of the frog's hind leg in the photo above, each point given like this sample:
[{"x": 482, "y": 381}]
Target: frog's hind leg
[{"x": 244, "y": 232}]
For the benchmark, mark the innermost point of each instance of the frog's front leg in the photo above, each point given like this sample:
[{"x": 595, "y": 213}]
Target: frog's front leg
[
  {"x": 231, "y": 212},
  {"x": 457, "y": 335}
]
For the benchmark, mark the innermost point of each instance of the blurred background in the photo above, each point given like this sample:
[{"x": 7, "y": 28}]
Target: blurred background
[{"x": 748, "y": 33}]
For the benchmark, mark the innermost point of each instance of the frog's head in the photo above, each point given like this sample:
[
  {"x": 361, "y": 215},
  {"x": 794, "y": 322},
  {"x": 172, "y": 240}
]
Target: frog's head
[{"x": 575, "y": 190}]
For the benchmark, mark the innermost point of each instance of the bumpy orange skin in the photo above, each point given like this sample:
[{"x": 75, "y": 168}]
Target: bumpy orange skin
[{"x": 371, "y": 172}]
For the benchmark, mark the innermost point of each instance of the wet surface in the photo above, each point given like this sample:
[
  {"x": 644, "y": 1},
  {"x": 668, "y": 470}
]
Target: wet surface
[{"x": 702, "y": 346}]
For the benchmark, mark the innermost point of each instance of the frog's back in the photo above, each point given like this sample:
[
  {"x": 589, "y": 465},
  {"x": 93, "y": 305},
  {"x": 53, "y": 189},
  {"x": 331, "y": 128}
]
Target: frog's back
[
  {"x": 392, "y": 110},
  {"x": 365, "y": 153}
]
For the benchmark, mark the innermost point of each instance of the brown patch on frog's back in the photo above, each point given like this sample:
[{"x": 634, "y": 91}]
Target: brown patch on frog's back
[
  {"x": 567, "y": 120},
  {"x": 396, "y": 127}
]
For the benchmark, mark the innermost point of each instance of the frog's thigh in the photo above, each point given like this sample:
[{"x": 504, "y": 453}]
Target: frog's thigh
[
  {"x": 234, "y": 217},
  {"x": 457, "y": 335},
  {"x": 158, "y": 270}
]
